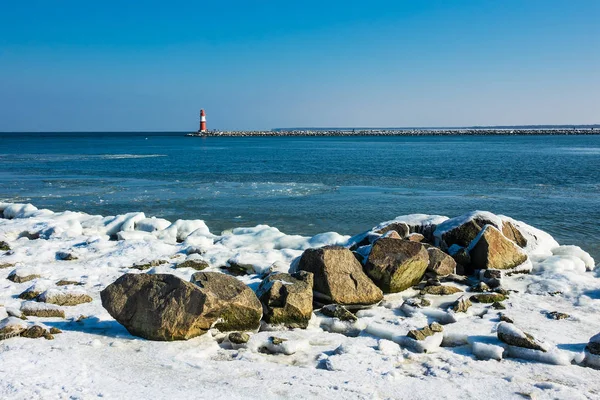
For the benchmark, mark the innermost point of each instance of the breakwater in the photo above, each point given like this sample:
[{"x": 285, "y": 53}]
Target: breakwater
[{"x": 403, "y": 132}]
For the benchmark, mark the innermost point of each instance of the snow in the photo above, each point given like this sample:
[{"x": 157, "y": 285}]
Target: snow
[{"x": 368, "y": 358}]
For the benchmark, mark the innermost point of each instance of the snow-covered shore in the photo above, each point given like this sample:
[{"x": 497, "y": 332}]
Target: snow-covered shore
[{"x": 369, "y": 358}]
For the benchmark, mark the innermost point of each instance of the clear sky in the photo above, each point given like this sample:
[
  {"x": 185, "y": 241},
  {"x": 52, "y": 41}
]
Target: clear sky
[{"x": 116, "y": 65}]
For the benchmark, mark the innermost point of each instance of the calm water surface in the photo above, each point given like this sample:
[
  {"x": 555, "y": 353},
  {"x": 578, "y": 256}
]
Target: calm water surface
[{"x": 311, "y": 185}]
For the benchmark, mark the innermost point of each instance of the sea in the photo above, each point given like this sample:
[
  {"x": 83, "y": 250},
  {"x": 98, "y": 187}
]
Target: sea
[{"x": 308, "y": 185}]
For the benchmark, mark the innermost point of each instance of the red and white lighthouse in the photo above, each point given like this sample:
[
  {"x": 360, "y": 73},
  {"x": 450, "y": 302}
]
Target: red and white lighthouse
[{"x": 202, "y": 121}]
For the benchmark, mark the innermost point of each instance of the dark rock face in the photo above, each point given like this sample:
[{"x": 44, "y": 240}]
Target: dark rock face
[
  {"x": 395, "y": 265},
  {"x": 4, "y": 246},
  {"x": 339, "y": 277},
  {"x": 494, "y": 251},
  {"x": 440, "y": 263},
  {"x": 287, "y": 299},
  {"x": 159, "y": 307},
  {"x": 512, "y": 233},
  {"x": 234, "y": 303}
]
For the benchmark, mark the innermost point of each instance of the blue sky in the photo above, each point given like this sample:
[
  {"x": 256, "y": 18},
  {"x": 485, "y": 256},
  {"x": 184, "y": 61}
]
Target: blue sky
[{"x": 110, "y": 65}]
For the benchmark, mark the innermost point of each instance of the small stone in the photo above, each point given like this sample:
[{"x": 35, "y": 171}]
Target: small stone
[
  {"x": 4, "y": 246},
  {"x": 442, "y": 290},
  {"x": 30, "y": 294},
  {"x": 510, "y": 334},
  {"x": 481, "y": 287},
  {"x": 55, "y": 331},
  {"x": 65, "y": 256},
  {"x": 488, "y": 297},
  {"x": 34, "y": 332},
  {"x": 41, "y": 310},
  {"x": 461, "y": 305},
  {"x": 436, "y": 327},
  {"x": 504, "y": 318},
  {"x": 501, "y": 291},
  {"x": 423, "y": 333},
  {"x": 148, "y": 264},
  {"x": 238, "y": 337},
  {"x": 498, "y": 306},
  {"x": 276, "y": 341},
  {"x": 425, "y": 302},
  {"x": 558, "y": 315},
  {"x": 401, "y": 228},
  {"x": 338, "y": 311},
  {"x": 64, "y": 298},
  {"x": 198, "y": 265},
  {"x": 6, "y": 265},
  {"x": 16, "y": 277},
  {"x": 64, "y": 282},
  {"x": 238, "y": 269},
  {"x": 492, "y": 274}
]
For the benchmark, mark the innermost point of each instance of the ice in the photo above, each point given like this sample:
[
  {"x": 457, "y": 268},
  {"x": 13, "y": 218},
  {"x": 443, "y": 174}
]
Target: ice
[
  {"x": 11, "y": 211},
  {"x": 151, "y": 224}
]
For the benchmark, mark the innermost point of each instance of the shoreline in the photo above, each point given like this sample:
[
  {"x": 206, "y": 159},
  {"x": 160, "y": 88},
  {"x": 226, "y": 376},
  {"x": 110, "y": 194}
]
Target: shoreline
[{"x": 400, "y": 132}]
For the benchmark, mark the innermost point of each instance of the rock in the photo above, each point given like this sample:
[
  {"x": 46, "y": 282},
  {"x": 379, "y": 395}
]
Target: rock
[
  {"x": 143, "y": 265},
  {"x": 400, "y": 228},
  {"x": 18, "y": 277},
  {"x": 396, "y": 265},
  {"x": 31, "y": 293},
  {"x": 198, "y": 265},
  {"x": 238, "y": 337},
  {"x": 42, "y": 310},
  {"x": 338, "y": 311},
  {"x": 593, "y": 345},
  {"x": 236, "y": 305},
  {"x": 440, "y": 263},
  {"x": 488, "y": 297},
  {"x": 34, "y": 332},
  {"x": 194, "y": 250},
  {"x": 11, "y": 327},
  {"x": 423, "y": 333},
  {"x": 64, "y": 297},
  {"x": 425, "y": 302},
  {"x": 4, "y": 246},
  {"x": 441, "y": 290},
  {"x": 558, "y": 315},
  {"x": 6, "y": 265},
  {"x": 462, "y": 230},
  {"x": 512, "y": 233},
  {"x": 64, "y": 282},
  {"x": 55, "y": 331},
  {"x": 287, "y": 298},
  {"x": 456, "y": 278},
  {"x": 461, "y": 305},
  {"x": 511, "y": 335},
  {"x": 498, "y": 306},
  {"x": 339, "y": 277},
  {"x": 494, "y": 283},
  {"x": 505, "y": 318},
  {"x": 481, "y": 287},
  {"x": 493, "y": 251},
  {"x": 392, "y": 235},
  {"x": 462, "y": 258},
  {"x": 276, "y": 341},
  {"x": 65, "y": 256},
  {"x": 416, "y": 237},
  {"x": 239, "y": 269},
  {"x": 159, "y": 307}
]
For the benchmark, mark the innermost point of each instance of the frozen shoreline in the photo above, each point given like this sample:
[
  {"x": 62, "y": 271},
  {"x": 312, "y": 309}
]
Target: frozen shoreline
[{"x": 97, "y": 356}]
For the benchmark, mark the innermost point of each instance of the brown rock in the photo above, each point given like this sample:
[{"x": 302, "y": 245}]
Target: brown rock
[
  {"x": 416, "y": 237},
  {"x": 441, "y": 290},
  {"x": 234, "y": 303},
  {"x": 287, "y": 299},
  {"x": 511, "y": 232},
  {"x": 33, "y": 309},
  {"x": 396, "y": 265},
  {"x": 488, "y": 298},
  {"x": 64, "y": 298},
  {"x": 198, "y": 265},
  {"x": 440, "y": 263},
  {"x": 461, "y": 305},
  {"x": 421, "y": 334},
  {"x": 16, "y": 277},
  {"x": 400, "y": 228},
  {"x": 494, "y": 251},
  {"x": 339, "y": 277}
]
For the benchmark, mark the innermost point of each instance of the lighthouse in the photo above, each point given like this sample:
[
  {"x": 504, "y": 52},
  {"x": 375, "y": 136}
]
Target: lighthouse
[{"x": 202, "y": 121}]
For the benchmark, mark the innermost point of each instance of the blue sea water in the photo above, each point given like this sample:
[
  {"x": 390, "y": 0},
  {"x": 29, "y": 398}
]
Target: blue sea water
[{"x": 309, "y": 185}]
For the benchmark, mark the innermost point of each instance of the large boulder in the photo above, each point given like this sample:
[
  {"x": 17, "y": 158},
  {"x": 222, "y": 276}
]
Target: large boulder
[
  {"x": 395, "y": 265},
  {"x": 287, "y": 298},
  {"x": 492, "y": 250},
  {"x": 440, "y": 263},
  {"x": 234, "y": 304},
  {"x": 159, "y": 307},
  {"x": 339, "y": 277}
]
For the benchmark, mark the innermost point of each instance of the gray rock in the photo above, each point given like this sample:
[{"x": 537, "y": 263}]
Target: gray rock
[
  {"x": 238, "y": 337},
  {"x": 423, "y": 333},
  {"x": 198, "y": 265},
  {"x": 18, "y": 277},
  {"x": 338, "y": 311}
]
